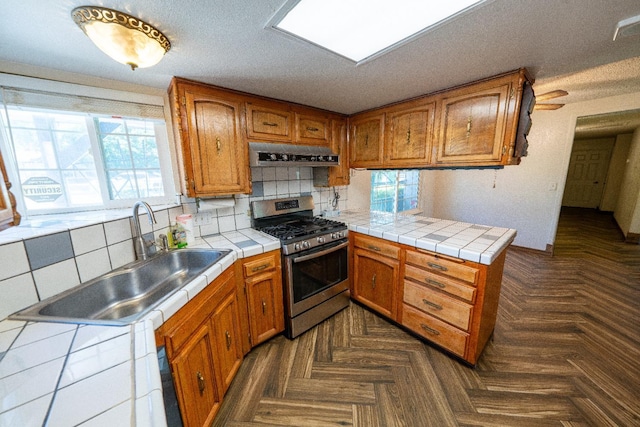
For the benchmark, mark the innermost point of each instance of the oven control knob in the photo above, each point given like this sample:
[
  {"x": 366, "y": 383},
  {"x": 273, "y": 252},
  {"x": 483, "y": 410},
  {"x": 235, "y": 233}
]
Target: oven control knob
[
  {"x": 320, "y": 240},
  {"x": 305, "y": 245},
  {"x": 296, "y": 246},
  {"x": 335, "y": 235}
]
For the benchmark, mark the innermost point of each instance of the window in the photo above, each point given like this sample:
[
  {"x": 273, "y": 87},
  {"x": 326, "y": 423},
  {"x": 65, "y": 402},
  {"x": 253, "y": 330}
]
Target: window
[
  {"x": 394, "y": 190},
  {"x": 68, "y": 160}
]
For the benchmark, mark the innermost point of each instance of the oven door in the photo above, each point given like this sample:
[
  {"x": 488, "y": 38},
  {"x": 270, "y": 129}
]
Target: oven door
[{"x": 313, "y": 276}]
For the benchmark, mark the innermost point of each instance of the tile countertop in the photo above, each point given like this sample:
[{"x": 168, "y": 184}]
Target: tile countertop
[
  {"x": 58, "y": 374},
  {"x": 472, "y": 242}
]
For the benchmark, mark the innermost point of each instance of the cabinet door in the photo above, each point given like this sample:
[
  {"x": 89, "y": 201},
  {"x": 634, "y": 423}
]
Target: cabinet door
[
  {"x": 194, "y": 379},
  {"x": 312, "y": 129},
  {"x": 266, "y": 311},
  {"x": 339, "y": 175},
  {"x": 473, "y": 126},
  {"x": 367, "y": 134},
  {"x": 376, "y": 281},
  {"x": 409, "y": 136},
  {"x": 8, "y": 215},
  {"x": 225, "y": 323},
  {"x": 269, "y": 123},
  {"x": 216, "y": 151}
]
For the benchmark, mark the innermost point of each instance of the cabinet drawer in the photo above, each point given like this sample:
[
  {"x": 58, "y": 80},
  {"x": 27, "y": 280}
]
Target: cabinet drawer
[
  {"x": 443, "y": 283},
  {"x": 443, "y": 266},
  {"x": 438, "y": 304},
  {"x": 377, "y": 245},
  {"x": 260, "y": 265},
  {"x": 435, "y": 330}
]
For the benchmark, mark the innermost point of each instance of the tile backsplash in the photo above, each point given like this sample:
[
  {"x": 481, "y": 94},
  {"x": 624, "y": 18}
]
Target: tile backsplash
[{"x": 49, "y": 254}]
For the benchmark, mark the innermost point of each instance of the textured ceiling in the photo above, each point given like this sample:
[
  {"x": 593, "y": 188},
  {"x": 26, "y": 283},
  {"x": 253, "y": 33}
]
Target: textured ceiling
[{"x": 226, "y": 43}]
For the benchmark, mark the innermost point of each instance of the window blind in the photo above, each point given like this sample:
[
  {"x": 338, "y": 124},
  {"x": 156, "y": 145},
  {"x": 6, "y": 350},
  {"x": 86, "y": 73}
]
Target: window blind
[{"x": 78, "y": 103}]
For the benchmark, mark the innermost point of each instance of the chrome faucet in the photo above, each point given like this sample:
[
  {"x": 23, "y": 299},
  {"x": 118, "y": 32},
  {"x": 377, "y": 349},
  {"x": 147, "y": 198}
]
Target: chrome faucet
[{"x": 140, "y": 245}]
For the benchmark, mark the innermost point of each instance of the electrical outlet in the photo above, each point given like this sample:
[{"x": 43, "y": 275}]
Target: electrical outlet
[{"x": 203, "y": 218}]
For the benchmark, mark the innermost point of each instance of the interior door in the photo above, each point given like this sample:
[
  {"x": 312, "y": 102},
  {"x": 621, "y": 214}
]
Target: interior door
[{"x": 587, "y": 173}]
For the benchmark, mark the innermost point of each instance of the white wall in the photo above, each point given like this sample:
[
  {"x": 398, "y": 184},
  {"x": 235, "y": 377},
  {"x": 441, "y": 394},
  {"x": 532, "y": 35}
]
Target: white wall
[
  {"x": 616, "y": 172},
  {"x": 627, "y": 213},
  {"x": 526, "y": 197}
]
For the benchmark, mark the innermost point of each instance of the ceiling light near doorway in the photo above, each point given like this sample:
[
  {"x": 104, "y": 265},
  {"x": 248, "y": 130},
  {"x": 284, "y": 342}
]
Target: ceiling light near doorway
[{"x": 362, "y": 29}]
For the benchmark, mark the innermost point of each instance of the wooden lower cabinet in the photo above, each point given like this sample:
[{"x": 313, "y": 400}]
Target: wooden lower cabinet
[
  {"x": 375, "y": 275},
  {"x": 194, "y": 376},
  {"x": 450, "y": 302},
  {"x": 262, "y": 275}
]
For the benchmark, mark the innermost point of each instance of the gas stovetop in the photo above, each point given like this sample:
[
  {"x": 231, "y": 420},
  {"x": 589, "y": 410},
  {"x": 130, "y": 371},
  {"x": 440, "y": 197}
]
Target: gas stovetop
[
  {"x": 302, "y": 227},
  {"x": 292, "y": 221}
]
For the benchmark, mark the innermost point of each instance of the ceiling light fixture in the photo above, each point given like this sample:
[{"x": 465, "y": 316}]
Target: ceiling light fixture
[{"x": 123, "y": 37}]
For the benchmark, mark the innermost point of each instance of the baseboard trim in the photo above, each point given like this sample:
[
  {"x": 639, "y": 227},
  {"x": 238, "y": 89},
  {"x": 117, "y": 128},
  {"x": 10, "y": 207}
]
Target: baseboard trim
[
  {"x": 633, "y": 238},
  {"x": 547, "y": 251}
]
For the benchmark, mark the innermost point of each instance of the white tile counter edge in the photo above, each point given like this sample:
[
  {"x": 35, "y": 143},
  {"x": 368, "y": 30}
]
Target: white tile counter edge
[
  {"x": 471, "y": 242},
  {"x": 92, "y": 377}
]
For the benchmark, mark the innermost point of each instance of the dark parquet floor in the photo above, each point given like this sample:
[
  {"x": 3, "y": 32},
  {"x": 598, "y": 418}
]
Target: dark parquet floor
[{"x": 565, "y": 352}]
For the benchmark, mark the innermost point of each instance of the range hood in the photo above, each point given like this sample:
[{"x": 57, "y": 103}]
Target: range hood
[{"x": 262, "y": 154}]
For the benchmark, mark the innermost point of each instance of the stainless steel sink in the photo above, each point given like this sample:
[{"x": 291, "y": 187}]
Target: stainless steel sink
[{"x": 125, "y": 294}]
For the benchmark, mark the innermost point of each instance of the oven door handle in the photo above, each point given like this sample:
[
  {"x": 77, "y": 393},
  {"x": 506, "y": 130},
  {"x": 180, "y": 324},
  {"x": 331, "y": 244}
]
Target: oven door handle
[{"x": 321, "y": 253}]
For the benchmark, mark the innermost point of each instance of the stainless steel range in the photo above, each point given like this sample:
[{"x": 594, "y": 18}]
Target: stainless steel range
[{"x": 314, "y": 260}]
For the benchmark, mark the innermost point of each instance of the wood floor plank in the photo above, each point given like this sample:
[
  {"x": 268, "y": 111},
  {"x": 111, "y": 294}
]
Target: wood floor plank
[{"x": 564, "y": 352}]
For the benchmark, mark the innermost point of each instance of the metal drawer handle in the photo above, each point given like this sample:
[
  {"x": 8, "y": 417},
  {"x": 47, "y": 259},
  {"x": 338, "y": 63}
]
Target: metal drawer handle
[
  {"x": 270, "y": 124},
  {"x": 201, "y": 383},
  {"x": 264, "y": 308},
  {"x": 218, "y": 145},
  {"x": 428, "y": 329},
  {"x": 260, "y": 267},
  {"x": 432, "y": 304},
  {"x": 437, "y": 266},
  {"x": 435, "y": 283},
  {"x": 228, "y": 337},
  {"x": 373, "y": 282},
  {"x": 310, "y": 129},
  {"x": 374, "y": 248}
]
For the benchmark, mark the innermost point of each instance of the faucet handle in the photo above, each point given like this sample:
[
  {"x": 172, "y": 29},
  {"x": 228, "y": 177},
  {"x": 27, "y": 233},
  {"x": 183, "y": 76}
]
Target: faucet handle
[{"x": 164, "y": 242}]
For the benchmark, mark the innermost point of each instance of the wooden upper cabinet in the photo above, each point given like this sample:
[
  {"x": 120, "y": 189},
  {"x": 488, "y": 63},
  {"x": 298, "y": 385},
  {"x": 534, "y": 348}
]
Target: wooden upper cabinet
[
  {"x": 339, "y": 175},
  {"x": 409, "y": 135},
  {"x": 8, "y": 214},
  {"x": 312, "y": 129},
  {"x": 269, "y": 122},
  {"x": 478, "y": 123},
  {"x": 209, "y": 124},
  {"x": 366, "y": 140}
]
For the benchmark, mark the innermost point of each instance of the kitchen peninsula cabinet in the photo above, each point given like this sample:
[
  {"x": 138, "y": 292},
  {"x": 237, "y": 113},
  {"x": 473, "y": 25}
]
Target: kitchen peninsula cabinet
[
  {"x": 204, "y": 348},
  {"x": 376, "y": 271},
  {"x": 366, "y": 140},
  {"x": 209, "y": 127},
  {"x": 262, "y": 285},
  {"x": 448, "y": 301}
]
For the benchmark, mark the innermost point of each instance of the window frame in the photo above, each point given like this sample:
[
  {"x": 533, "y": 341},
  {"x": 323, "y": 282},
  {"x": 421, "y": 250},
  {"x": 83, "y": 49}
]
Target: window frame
[
  {"x": 165, "y": 145},
  {"x": 396, "y": 190}
]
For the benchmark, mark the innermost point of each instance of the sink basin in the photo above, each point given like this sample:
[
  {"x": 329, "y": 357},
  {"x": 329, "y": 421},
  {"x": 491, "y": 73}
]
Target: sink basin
[{"x": 127, "y": 293}]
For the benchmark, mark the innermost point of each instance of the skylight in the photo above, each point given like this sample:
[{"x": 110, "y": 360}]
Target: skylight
[{"x": 360, "y": 29}]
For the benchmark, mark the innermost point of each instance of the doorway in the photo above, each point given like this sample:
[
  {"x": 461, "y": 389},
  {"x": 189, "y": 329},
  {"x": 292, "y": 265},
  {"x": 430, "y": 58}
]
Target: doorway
[{"x": 588, "y": 168}]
